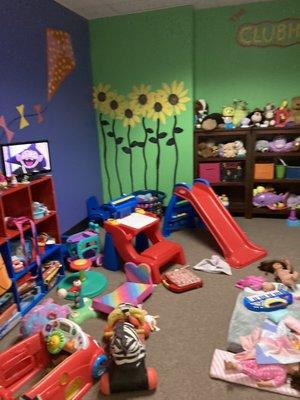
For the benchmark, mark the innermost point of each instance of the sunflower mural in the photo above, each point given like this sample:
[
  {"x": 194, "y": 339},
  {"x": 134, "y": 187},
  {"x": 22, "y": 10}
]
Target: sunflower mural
[{"x": 138, "y": 123}]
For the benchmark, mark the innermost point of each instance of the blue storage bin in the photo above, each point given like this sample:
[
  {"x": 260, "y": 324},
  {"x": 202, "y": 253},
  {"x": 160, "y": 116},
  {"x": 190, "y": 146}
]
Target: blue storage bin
[{"x": 292, "y": 172}]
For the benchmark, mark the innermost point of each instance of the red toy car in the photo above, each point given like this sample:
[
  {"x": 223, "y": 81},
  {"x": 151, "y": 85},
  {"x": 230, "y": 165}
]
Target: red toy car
[{"x": 76, "y": 360}]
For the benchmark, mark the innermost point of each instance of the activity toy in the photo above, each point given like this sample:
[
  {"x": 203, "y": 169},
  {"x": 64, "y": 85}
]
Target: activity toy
[
  {"x": 252, "y": 281},
  {"x": 127, "y": 370},
  {"x": 60, "y": 340},
  {"x": 238, "y": 250},
  {"x": 137, "y": 288},
  {"x": 181, "y": 279},
  {"x": 269, "y": 301}
]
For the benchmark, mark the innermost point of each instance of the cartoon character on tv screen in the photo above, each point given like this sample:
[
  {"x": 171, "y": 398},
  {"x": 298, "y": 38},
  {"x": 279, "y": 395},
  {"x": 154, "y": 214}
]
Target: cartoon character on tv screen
[{"x": 30, "y": 160}]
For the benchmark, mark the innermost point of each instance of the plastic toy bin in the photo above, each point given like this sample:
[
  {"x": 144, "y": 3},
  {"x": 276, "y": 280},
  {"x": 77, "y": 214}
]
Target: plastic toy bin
[
  {"x": 210, "y": 172},
  {"x": 264, "y": 171},
  {"x": 292, "y": 172}
]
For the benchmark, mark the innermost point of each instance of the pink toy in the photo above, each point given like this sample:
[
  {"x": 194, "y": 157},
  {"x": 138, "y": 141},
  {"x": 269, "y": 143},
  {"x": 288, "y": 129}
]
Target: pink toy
[
  {"x": 280, "y": 145},
  {"x": 252, "y": 281},
  {"x": 137, "y": 288},
  {"x": 40, "y": 315}
]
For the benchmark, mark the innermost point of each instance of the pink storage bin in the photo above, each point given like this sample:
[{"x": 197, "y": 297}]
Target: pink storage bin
[{"x": 210, "y": 172}]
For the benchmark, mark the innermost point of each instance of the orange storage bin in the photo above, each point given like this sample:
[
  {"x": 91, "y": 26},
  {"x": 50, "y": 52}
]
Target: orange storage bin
[{"x": 264, "y": 171}]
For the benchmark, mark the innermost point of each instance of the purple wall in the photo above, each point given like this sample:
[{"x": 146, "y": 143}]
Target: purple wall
[{"x": 69, "y": 123}]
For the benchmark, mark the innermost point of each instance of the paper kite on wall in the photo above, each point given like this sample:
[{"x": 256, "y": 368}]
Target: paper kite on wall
[{"x": 60, "y": 59}]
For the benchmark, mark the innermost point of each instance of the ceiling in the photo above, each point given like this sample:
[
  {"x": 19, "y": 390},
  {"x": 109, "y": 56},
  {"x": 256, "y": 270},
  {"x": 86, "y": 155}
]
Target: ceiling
[{"x": 92, "y": 9}]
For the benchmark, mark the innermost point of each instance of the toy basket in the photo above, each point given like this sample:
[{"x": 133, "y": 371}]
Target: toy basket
[{"x": 151, "y": 200}]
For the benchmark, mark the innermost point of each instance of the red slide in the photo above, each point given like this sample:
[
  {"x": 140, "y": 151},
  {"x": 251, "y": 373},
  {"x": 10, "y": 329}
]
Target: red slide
[{"x": 238, "y": 250}]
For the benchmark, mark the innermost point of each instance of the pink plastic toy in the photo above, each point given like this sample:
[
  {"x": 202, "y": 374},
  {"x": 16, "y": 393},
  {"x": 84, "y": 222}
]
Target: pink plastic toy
[
  {"x": 252, "y": 281},
  {"x": 137, "y": 288}
]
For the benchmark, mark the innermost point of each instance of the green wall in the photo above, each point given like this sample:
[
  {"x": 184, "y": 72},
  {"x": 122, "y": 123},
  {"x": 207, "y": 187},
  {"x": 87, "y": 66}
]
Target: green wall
[
  {"x": 224, "y": 70},
  {"x": 149, "y": 48}
]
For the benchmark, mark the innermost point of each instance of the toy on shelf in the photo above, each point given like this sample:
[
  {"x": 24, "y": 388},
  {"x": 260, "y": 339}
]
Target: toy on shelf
[
  {"x": 13, "y": 180},
  {"x": 295, "y": 111},
  {"x": 262, "y": 146},
  {"x": 40, "y": 315},
  {"x": 270, "y": 301},
  {"x": 136, "y": 290},
  {"x": 266, "y": 198},
  {"x": 224, "y": 200},
  {"x": 181, "y": 279},
  {"x": 127, "y": 370},
  {"x": 282, "y": 115},
  {"x": 228, "y": 113},
  {"x": 238, "y": 250},
  {"x": 129, "y": 236},
  {"x": 39, "y": 210},
  {"x": 74, "y": 357},
  {"x": 212, "y": 121},
  {"x": 201, "y": 111},
  {"x": 208, "y": 149},
  {"x": 280, "y": 145},
  {"x": 85, "y": 244},
  {"x": 234, "y": 149},
  {"x": 282, "y": 270},
  {"x": 240, "y": 112},
  {"x": 256, "y": 117},
  {"x": 269, "y": 115}
]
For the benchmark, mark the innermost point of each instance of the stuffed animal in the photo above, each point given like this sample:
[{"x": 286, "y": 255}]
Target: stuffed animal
[
  {"x": 256, "y": 117},
  {"x": 201, "y": 111},
  {"x": 227, "y": 150},
  {"x": 228, "y": 112},
  {"x": 240, "y": 112},
  {"x": 205, "y": 150},
  {"x": 245, "y": 123},
  {"x": 295, "y": 111},
  {"x": 239, "y": 148},
  {"x": 212, "y": 121},
  {"x": 262, "y": 145},
  {"x": 297, "y": 144},
  {"x": 269, "y": 115},
  {"x": 280, "y": 144},
  {"x": 282, "y": 115}
]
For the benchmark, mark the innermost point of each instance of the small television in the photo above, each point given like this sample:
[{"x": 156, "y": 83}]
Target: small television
[{"x": 29, "y": 158}]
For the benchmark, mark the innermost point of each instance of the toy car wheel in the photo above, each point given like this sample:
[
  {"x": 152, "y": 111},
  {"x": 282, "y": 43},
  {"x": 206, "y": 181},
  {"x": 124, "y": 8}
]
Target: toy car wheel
[{"x": 99, "y": 366}]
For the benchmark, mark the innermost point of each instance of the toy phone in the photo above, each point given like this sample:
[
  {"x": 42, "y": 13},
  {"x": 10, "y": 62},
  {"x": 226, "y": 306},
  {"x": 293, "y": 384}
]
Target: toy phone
[{"x": 181, "y": 280}]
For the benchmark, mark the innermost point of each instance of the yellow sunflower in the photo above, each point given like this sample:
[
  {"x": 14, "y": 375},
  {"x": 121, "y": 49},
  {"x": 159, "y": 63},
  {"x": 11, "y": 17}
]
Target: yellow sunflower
[
  {"x": 129, "y": 115},
  {"x": 159, "y": 107},
  {"x": 101, "y": 95},
  {"x": 176, "y": 95},
  {"x": 140, "y": 98},
  {"x": 115, "y": 105}
]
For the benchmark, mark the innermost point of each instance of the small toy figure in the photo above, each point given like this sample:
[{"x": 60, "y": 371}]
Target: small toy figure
[
  {"x": 228, "y": 112},
  {"x": 266, "y": 375},
  {"x": 3, "y": 181},
  {"x": 73, "y": 293},
  {"x": 282, "y": 270}
]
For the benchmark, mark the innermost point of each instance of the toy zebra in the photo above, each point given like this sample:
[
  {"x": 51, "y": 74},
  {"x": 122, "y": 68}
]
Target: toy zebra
[{"x": 127, "y": 370}]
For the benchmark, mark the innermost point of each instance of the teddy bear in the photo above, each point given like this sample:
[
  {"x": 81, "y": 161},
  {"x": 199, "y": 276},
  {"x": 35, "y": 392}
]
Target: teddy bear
[
  {"x": 227, "y": 150},
  {"x": 207, "y": 149},
  {"x": 269, "y": 114},
  {"x": 239, "y": 148},
  {"x": 295, "y": 111}
]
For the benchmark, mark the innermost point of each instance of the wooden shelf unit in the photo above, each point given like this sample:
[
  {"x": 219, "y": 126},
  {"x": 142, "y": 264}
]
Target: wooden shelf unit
[
  {"x": 16, "y": 202},
  {"x": 240, "y": 193}
]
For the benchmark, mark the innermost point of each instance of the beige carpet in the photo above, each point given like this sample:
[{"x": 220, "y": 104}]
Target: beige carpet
[{"x": 194, "y": 323}]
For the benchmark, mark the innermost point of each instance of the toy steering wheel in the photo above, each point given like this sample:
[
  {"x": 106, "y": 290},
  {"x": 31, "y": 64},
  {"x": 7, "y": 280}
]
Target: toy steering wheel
[{"x": 55, "y": 341}]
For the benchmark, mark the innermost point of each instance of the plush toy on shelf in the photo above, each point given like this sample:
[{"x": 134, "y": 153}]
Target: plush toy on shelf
[
  {"x": 201, "y": 111},
  {"x": 282, "y": 115},
  {"x": 227, "y": 150},
  {"x": 228, "y": 113},
  {"x": 262, "y": 145},
  {"x": 269, "y": 115},
  {"x": 212, "y": 121},
  {"x": 240, "y": 112},
  {"x": 295, "y": 111},
  {"x": 280, "y": 145},
  {"x": 239, "y": 148},
  {"x": 207, "y": 149},
  {"x": 256, "y": 117}
]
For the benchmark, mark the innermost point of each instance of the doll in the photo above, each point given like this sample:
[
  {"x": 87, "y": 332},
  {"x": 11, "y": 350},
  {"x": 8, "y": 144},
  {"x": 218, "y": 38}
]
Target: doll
[
  {"x": 266, "y": 375},
  {"x": 282, "y": 270}
]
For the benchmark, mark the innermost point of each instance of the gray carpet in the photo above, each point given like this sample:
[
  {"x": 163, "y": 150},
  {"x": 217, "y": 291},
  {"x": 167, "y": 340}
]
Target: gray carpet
[{"x": 194, "y": 323}]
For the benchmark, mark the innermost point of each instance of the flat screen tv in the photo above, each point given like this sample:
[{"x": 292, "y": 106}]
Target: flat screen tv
[{"x": 30, "y": 158}]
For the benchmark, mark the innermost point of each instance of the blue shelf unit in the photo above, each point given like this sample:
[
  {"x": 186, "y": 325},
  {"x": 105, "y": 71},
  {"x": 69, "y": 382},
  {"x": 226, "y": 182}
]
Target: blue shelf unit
[{"x": 40, "y": 289}]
